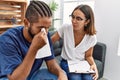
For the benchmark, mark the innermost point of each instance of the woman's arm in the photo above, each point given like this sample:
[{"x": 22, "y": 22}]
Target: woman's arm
[
  {"x": 55, "y": 37},
  {"x": 89, "y": 58}
]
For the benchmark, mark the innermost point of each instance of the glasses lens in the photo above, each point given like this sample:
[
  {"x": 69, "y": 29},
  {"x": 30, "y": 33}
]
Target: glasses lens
[{"x": 78, "y": 18}]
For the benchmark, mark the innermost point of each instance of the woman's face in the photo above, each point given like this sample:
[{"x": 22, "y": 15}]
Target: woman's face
[{"x": 78, "y": 20}]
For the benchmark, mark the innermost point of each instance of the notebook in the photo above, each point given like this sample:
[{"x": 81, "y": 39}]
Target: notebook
[{"x": 79, "y": 67}]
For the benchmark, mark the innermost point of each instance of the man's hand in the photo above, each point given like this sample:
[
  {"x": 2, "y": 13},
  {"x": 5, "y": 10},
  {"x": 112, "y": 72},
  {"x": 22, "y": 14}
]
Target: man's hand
[
  {"x": 39, "y": 40},
  {"x": 63, "y": 76},
  {"x": 54, "y": 68}
]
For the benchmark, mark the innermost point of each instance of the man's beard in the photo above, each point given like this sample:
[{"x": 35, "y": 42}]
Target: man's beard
[{"x": 30, "y": 32}]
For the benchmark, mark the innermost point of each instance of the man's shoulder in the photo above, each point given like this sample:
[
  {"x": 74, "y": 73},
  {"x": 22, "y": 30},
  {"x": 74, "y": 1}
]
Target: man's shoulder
[
  {"x": 13, "y": 30},
  {"x": 16, "y": 29}
]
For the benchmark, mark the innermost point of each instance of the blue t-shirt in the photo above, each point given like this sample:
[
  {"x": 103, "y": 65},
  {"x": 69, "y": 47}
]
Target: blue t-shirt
[{"x": 13, "y": 48}]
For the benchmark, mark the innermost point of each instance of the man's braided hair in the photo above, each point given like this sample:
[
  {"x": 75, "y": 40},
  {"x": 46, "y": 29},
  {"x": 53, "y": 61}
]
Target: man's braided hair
[{"x": 37, "y": 9}]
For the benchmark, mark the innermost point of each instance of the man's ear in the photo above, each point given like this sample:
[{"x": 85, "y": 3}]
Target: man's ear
[{"x": 26, "y": 23}]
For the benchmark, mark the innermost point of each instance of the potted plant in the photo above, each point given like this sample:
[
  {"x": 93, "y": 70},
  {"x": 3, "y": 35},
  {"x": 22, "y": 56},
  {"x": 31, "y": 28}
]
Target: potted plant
[{"x": 53, "y": 6}]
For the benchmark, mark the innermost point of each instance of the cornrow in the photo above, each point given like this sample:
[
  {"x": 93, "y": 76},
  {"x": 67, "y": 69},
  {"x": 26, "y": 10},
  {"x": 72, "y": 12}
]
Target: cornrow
[
  {"x": 44, "y": 9},
  {"x": 36, "y": 9}
]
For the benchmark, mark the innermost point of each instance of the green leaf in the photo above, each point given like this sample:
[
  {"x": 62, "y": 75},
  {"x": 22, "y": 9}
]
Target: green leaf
[{"x": 53, "y": 5}]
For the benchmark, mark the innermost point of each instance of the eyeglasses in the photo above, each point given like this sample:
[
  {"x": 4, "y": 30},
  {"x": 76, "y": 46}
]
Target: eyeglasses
[{"x": 76, "y": 17}]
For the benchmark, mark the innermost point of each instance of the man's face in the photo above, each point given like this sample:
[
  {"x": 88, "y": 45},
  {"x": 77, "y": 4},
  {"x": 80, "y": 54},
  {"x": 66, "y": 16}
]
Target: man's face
[{"x": 35, "y": 28}]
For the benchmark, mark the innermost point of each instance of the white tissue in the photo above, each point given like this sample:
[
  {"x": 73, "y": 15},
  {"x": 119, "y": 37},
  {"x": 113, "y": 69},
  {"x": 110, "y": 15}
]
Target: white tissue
[
  {"x": 45, "y": 51},
  {"x": 43, "y": 30}
]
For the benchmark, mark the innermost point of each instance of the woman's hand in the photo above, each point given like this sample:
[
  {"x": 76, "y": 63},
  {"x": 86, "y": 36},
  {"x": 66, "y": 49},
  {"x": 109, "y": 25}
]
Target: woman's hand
[{"x": 95, "y": 75}]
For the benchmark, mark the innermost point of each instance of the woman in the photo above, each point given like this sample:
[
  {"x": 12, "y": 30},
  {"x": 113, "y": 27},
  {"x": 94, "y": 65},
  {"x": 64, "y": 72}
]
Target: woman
[{"x": 79, "y": 39}]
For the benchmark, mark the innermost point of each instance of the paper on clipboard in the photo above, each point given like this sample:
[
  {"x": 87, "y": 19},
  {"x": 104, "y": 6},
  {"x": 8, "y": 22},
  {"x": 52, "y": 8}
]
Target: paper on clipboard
[
  {"x": 79, "y": 67},
  {"x": 45, "y": 51}
]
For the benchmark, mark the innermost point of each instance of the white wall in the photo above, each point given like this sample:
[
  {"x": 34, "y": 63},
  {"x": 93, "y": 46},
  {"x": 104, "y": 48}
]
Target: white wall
[{"x": 107, "y": 17}]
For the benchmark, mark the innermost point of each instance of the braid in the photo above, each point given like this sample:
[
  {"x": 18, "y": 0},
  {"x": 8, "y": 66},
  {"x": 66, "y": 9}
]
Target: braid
[
  {"x": 36, "y": 9},
  {"x": 45, "y": 9}
]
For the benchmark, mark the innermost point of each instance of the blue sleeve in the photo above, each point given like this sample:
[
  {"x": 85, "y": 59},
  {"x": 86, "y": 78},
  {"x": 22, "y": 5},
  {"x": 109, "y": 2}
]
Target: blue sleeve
[
  {"x": 9, "y": 57},
  {"x": 51, "y": 47}
]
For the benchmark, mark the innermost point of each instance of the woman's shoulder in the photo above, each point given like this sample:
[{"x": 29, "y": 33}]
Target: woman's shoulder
[
  {"x": 67, "y": 26},
  {"x": 91, "y": 37}
]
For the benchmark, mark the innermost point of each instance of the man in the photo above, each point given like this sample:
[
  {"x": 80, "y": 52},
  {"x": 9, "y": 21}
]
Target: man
[{"x": 19, "y": 46}]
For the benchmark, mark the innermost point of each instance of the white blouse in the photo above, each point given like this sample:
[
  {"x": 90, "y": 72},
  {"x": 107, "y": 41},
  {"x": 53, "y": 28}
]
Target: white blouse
[{"x": 69, "y": 51}]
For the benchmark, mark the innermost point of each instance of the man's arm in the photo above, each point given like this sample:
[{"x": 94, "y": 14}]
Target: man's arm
[
  {"x": 23, "y": 70},
  {"x": 54, "y": 68}
]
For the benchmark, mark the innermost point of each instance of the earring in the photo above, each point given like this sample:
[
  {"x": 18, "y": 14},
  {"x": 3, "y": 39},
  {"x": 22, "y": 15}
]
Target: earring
[{"x": 85, "y": 26}]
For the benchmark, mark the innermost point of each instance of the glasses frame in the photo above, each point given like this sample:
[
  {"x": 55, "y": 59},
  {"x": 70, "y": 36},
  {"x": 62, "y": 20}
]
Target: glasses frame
[{"x": 78, "y": 18}]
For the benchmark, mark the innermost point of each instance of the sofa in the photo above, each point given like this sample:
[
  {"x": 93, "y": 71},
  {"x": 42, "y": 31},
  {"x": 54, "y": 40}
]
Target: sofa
[{"x": 99, "y": 53}]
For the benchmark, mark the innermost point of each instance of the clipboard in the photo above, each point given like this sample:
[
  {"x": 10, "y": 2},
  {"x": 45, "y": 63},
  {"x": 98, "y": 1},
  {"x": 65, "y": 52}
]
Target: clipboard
[{"x": 79, "y": 67}]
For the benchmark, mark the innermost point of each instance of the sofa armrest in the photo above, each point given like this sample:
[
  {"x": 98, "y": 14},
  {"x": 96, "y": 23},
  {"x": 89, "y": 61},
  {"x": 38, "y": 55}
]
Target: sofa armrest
[
  {"x": 99, "y": 51},
  {"x": 99, "y": 54}
]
